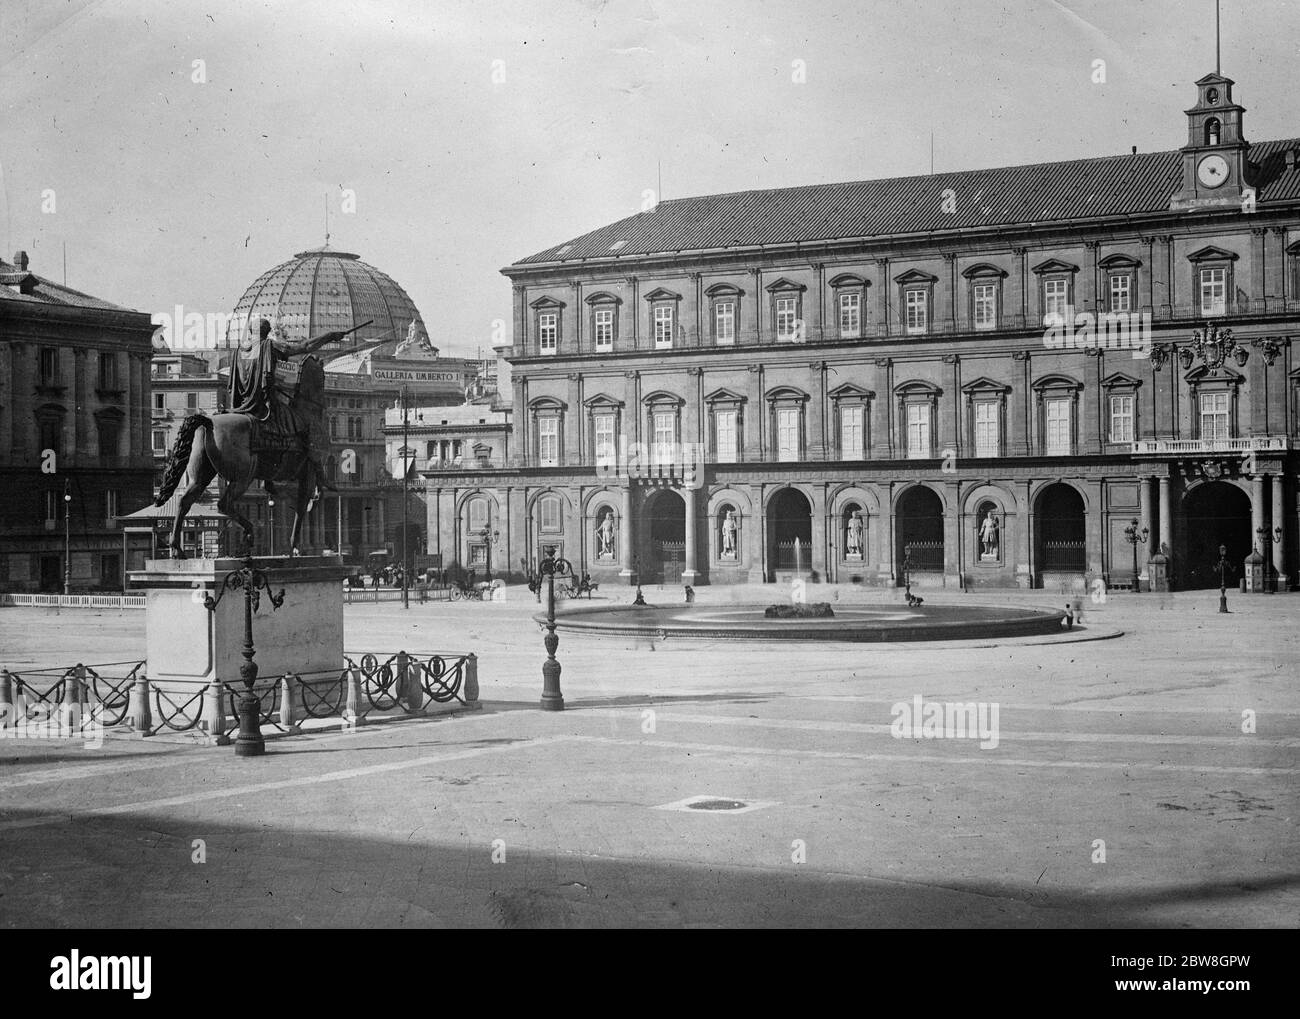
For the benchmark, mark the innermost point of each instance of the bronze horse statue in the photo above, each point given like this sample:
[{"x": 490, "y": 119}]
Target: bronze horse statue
[{"x": 224, "y": 446}]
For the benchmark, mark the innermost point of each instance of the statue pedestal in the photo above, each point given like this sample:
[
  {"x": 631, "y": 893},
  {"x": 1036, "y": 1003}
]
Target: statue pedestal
[{"x": 190, "y": 648}]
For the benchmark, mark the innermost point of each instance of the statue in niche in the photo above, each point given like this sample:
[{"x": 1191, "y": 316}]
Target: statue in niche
[
  {"x": 853, "y": 534},
  {"x": 729, "y": 535},
  {"x": 605, "y": 535},
  {"x": 988, "y": 532}
]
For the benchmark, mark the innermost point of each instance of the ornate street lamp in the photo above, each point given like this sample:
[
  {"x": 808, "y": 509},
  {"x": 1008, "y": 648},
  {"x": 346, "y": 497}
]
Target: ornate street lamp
[
  {"x": 270, "y": 535},
  {"x": 1266, "y": 539},
  {"x": 1135, "y": 538},
  {"x": 253, "y": 581},
  {"x": 67, "y": 537},
  {"x": 636, "y": 565},
  {"x": 552, "y": 699},
  {"x": 907, "y": 571},
  {"x": 1223, "y": 583},
  {"x": 490, "y": 538}
]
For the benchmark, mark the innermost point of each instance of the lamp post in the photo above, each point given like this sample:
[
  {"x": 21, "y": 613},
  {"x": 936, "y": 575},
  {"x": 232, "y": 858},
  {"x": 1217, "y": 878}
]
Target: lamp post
[
  {"x": 253, "y": 581},
  {"x": 490, "y": 538},
  {"x": 270, "y": 530},
  {"x": 907, "y": 571},
  {"x": 552, "y": 698},
  {"x": 406, "y": 598},
  {"x": 67, "y": 537},
  {"x": 1223, "y": 583},
  {"x": 1135, "y": 537},
  {"x": 1266, "y": 539},
  {"x": 636, "y": 565}
]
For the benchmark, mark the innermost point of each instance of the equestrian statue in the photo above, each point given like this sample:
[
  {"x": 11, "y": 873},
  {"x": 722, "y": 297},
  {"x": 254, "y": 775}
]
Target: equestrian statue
[{"x": 274, "y": 433}]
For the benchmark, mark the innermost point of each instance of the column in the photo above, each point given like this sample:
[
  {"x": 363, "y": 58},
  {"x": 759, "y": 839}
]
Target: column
[
  {"x": 1166, "y": 529},
  {"x": 1258, "y": 267},
  {"x": 688, "y": 570},
  {"x": 519, "y": 338},
  {"x": 81, "y": 408},
  {"x": 1279, "y": 545},
  {"x": 815, "y": 447},
  {"x": 1090, "y": 302},
  {"x": 1256, "y": 508},
  {"x": 883, "y": 265},
  {"x": 1274, "y": 280},
  {"x": 1144, "y": 522},
  {"x": 816, "y": 328},
  {"x": 625, "y": 532}
]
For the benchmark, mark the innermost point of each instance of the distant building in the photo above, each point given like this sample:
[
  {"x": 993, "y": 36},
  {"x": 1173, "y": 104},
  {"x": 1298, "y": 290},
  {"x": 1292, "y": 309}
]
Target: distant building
[
  {"x": 75, "y": 437},
  {"x": 983, "y": 376}
]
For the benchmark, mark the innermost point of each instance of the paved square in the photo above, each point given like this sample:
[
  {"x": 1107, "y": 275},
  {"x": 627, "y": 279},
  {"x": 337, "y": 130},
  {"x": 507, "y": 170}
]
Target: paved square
[{"x": 1132, "y": 747}]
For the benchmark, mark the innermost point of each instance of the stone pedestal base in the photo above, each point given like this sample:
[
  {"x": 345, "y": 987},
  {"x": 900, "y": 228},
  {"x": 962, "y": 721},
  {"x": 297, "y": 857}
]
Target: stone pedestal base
[{"x": 190, "y": 648}]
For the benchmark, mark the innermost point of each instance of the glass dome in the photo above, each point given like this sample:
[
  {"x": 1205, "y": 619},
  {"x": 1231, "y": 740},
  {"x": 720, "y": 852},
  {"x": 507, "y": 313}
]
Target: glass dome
[{"x": 322, "y": 290}]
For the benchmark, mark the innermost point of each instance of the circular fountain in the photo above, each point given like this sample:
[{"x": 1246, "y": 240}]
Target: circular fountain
[{"x": 859, "y": 623}]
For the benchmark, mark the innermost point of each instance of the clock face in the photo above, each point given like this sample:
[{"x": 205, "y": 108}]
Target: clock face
[{"x": 1212, "y": 171}]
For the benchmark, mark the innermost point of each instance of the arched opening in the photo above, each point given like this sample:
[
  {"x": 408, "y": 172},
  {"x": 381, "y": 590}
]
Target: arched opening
[
  {"x": 789, "y": 520},
  {"x": 1212, "y": 131},
  {"x": 1214, "y": 514},
  {"x": 727, "y": 541},
  {"x": 853, "y": 533},
  {"x": 1060, "y": 531},
  {"x": 988, "y": 532},
  {"x": 665, "y": 554},
  {"x": 920, "y": 532}
]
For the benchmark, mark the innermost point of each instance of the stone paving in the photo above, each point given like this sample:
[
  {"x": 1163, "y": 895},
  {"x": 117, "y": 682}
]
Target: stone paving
[{"x": 516, "y": 817}]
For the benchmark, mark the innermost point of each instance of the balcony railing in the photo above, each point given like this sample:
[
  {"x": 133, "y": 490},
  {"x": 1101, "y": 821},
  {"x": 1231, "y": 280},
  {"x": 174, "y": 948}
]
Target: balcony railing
[{"x": 1180, "y": 447}]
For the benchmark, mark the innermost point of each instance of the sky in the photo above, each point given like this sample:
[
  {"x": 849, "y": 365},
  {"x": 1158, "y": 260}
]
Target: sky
[{"x": 180, "y": 148}]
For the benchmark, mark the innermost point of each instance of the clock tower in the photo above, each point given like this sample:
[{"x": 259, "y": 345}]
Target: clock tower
[{"x": 1214, "y": 159}]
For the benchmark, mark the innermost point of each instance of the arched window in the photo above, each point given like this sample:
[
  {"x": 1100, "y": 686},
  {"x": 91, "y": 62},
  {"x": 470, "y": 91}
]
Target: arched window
[
  {"x": 478, "y": 513},
  {"x": 1212, "y": 131},
  {"x": 550, "y": 514}
]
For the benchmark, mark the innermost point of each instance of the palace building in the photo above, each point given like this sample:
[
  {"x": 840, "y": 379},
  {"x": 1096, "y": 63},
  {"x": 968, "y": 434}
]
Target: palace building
[{"x": 991, "y": 374}]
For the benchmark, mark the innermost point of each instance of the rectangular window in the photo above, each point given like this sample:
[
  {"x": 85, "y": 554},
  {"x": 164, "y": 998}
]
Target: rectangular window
[
  {"x": 110, "y": 504},
  {"x": 548, "y": 441},
  {"x": 918, "y": 431},
  {"x": 663, "y": 326},
  {"x": 1056, "y": 298},
  {"x": 1214, "y": 291},
  {"x": 334, "y": 428},
  {"x": 987, "y": 428},
  {"x": 726, "y": 447},
  {"x": 985, "y": 300},
  {"x": 159, "y": 401},
  {"x": 1121, "y": 293},
  {"x": 478, "y": 514},
  {"x": 724, "y": 322},
  {"x": 604, "y": 434},
  {"x": 851, "y": 429},
  {"x": 1214, "y": 416},
  {"x": 604, "y": 328},
  {"x": 787, "y": 433},
  {"x": 108, "y": 435},
  {"x": 1121, "y": 419},
  {"x": 786, "y": 318},
  {"x": 1057, "y": 414},
  {"x": 53, "y": 500},
  {"x": 478, "y": 556},
  {"x": 159, "y": 441},
  {"x": 551, "y": 513},
  {"x": 192, "y": 401},
  {"x": 665, "y": 437},
  {"x": 918, "y": 311},
  {"x": 548, "y": 332},
  {"x": 107, "y": 371},
  {"x": 850, "y": 316},
  {"x": 49, "y": 365}
]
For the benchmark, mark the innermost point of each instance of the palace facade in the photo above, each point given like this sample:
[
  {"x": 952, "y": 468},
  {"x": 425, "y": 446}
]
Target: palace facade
[{"x": 991, "y": 375}]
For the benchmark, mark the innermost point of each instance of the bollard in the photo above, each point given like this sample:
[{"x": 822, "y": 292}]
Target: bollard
[
  {"x": 7, "y": 716},
  {"x": 471, "y": 680},
  {"x": 408, "y": 682},
  {"x": 213, "y": 719},
  {"x": 138, "y": 716},
  {"x": 69, "y": 719},
  {"x": 352, "y": 713},
  {"x": 289, "y": 702}
]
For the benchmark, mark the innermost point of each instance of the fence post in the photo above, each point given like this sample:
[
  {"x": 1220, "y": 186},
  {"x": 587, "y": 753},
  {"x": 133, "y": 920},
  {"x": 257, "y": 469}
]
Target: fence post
[
  {"x": 213, "y": 719},
  {"x": 70, "y": 701},
  {"x": 288, "y": 702},
  {"x": 408, "y": 671},
  {"x": 352, "y": 713},
  {"x": 471, "y": 680},
  {"x": 138, "y": 715},
  {"x": 7, "y": 715}
]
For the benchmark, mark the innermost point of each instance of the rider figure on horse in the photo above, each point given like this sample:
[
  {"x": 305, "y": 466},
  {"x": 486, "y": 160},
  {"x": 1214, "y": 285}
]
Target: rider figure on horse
[{"x": 255, "y": 390}]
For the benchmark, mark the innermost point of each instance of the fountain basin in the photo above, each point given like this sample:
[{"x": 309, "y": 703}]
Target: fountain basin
[{"x": 851, "y": 623}]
